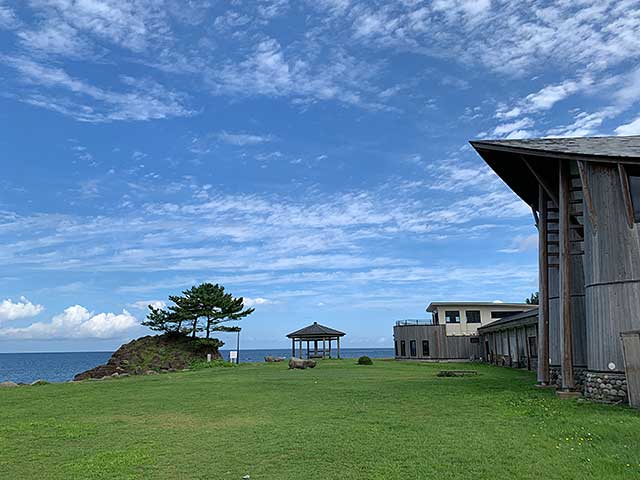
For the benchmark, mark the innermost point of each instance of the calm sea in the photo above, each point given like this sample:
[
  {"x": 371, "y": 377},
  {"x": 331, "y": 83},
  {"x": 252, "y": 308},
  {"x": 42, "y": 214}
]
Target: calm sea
[{"x": 60, "y": 367}]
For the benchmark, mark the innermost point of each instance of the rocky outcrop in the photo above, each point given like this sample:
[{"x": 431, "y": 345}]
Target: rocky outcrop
[{"x": 154, "y": 354}]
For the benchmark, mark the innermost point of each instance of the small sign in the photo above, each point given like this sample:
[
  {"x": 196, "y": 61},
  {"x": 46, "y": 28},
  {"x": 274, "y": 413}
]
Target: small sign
[{"x": 233, "y": 355}]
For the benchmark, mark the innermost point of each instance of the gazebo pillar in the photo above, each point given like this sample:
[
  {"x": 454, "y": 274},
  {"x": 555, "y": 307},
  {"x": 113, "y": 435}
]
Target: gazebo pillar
[
  {"x": 300, "y": 352},
  {"x": 338, "y": 338},
  {"x": 329, "y": 347},
  {"x": 293, "y": 347},
  {"x": 324, "y": 347}
]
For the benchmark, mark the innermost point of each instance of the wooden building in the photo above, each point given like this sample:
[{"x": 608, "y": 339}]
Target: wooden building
[
  {"x": 451, "y": 334},
  {"x": 512, "y": 341},
  {"x": 585, "y": 197}
]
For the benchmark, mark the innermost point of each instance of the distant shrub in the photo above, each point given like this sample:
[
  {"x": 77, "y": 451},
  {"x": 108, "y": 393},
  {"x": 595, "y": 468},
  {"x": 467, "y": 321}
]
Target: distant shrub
[
  {"x": 364, "y": 360},
  {"x": 201, "y": 364}
]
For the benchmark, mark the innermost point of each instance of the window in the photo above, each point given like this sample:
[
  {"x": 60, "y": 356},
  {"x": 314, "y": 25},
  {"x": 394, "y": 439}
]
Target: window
[
  {"x": 435, "y": 319},
  {"x": 504, "y": 314},
  {"x": 452, "y": 316},
  {"x": 473, "y": 316},
  {"x": 395, "y": 346},
  {"x": 403, "y": 349},
  {"x": 474, "y": 340},
  {"x": 425, "y": 348},
  {"x": 533, "y": 347},
  {"x": 634, "y": 189},
  {"x": 412, "y": 348}
]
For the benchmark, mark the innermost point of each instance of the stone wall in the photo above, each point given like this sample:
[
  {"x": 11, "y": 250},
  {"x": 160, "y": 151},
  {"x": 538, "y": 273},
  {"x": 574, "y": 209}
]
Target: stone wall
[
  {"x": 606, "y": 387},
  {"x": 579, "y": 376}
]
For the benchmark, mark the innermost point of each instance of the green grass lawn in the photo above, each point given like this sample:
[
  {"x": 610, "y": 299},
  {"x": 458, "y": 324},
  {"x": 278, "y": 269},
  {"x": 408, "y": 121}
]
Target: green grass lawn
[{"x": 390, "y": 420}]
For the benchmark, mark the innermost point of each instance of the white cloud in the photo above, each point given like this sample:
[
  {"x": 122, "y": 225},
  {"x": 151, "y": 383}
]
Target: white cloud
[
  {"x": 243, "y": 139},
  {"x": 631, "y": 128},
  {"x": 76, "y": 322},
  {"x": 10, "y": 310},
  {"x": 144, "y": 304},
  {"x": 507, "y": 128},
  {"x": 7, "y": 16},
  {"x": 145, "y": 99},
  {"x": 522, "y": 243},
  {"x": 252, "y": 302}
]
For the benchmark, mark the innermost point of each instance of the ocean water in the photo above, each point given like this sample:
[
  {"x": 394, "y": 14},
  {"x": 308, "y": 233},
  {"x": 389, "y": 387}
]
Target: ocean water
[{"x": 61, "y": 367}]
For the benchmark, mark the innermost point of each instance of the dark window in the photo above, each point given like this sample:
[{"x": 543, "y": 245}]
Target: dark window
[
  {"x": 436, "y": 321},
  {"x": 475, "y": 340},
  {"x": 412, "y": 348},
  {"x": 425, "y": 348},
  {"x": 504, "y": 314},
  {"x": 473, "y": 316},
  {"x": 403, "y": 349},
  {"x": 452, "y": 316},
  {"x": 634, "y": 188},
  {"x": 533, "y": 347},
  {"x": 395, "y": 346}
]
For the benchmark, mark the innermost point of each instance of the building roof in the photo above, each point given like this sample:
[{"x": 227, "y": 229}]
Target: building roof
[
  {"x": 519, "y": 319},
  {"x": 316, "y": 331},
  {"x": 433, "y": 305},
  {"x": 524, "y": 164},
  {"x": 614, "y": 147}
]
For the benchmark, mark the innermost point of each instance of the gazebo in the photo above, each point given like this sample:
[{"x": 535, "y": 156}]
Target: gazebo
[{"x": 315, "y": 333}]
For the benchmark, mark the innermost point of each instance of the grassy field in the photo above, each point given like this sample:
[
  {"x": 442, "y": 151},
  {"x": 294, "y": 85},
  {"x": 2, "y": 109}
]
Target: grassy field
[{"x": 339, "y": 421}]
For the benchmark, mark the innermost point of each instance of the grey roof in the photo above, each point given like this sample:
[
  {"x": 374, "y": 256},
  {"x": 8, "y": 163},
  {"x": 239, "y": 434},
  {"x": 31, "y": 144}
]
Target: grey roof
[
  {"x": 316, "y": 330},
  {"x": 612, "y": 147},
  {"x": 433, "y": 305},
  {"x": 528, "y": 317}
]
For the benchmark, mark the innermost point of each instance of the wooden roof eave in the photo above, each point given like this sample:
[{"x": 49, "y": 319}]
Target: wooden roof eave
[{"x": 552, "y": 155}]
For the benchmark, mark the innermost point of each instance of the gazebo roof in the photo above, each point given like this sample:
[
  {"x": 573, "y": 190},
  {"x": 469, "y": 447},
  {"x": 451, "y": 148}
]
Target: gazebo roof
[{"x": 316, "y": 331}]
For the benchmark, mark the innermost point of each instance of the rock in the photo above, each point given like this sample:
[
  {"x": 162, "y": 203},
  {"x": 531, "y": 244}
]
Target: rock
[
  {"x": 122, "y": 375},
  {"x": 300, "y": 363},
  {"x": 115, "y": 375},
  {"x": 151, "y": 372},
  {"x": 8, "y": 384},
  {"x": 39, "y": 382}
]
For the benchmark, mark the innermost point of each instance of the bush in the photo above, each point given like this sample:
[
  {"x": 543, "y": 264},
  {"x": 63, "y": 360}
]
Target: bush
[
  {"x": 364, "y": 360},
  {"x": 200, "y": 364}
]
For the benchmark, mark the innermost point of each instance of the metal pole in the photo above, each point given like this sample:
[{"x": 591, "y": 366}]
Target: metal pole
[{"x": 238, "y": 348}]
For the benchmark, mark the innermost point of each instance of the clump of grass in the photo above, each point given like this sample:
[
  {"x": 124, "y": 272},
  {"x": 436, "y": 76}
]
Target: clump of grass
[
  {"x": 202, "y": 364},
  {"x": 364, "y": 360}
]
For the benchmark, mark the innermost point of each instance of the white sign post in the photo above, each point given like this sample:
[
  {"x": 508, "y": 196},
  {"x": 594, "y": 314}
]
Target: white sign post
[
  {"x": 233, "y": 356},
  {"x": 208, "y": 358}
]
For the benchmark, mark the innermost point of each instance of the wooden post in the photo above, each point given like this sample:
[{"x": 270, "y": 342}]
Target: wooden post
[
  {"x": 293, "y": 347},
  {"x": 301, "y": 351},
  {"x": 315, "y": 348},
  {"x": 543, "y": 278},
  {"x": 338, "y": 348},
  {"x": 517, "y": 349},
  {"x": 509, "y": 347},
  {"x": 566, "y": 334},
  {"x": 324, "y": 347},
  {"x": 308, "y": 349},
  {"x": 329, "y": 347}
]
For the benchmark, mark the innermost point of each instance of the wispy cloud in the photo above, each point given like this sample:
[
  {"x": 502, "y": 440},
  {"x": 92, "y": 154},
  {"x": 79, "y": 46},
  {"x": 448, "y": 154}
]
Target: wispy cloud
[
  {"x": 145, "y": 99},
  {"x": 243, "y": 139}
]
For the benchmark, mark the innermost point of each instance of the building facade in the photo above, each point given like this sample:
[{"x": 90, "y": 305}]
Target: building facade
[
  {"x": 451, "y": 334},
  {"x": 585, "y": 198}
]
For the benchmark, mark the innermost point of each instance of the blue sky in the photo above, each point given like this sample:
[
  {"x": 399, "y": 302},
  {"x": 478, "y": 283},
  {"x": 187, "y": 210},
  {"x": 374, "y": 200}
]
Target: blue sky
[{"x": 310, "y": 156}]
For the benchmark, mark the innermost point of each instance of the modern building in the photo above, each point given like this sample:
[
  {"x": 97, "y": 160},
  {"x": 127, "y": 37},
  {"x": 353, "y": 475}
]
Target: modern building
[
  {"x": 451, "y": 333},
  {"x": 585, "y": 198}
]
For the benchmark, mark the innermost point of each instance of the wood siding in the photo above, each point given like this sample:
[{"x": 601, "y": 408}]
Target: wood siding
[
  {"x": 441, "y": 346},
  {"x": 612, "y": 270}
]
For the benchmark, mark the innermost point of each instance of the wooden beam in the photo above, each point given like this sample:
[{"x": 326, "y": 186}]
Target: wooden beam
[
  {"x": 541, "y": 181},
  {"x": 626, "y": 194},
  {"x": 543, "y": 288},
  {"x": 586, "y": 192},
  {"x": 536, "y": 219},
  {"x": 566, "y": 334}
]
